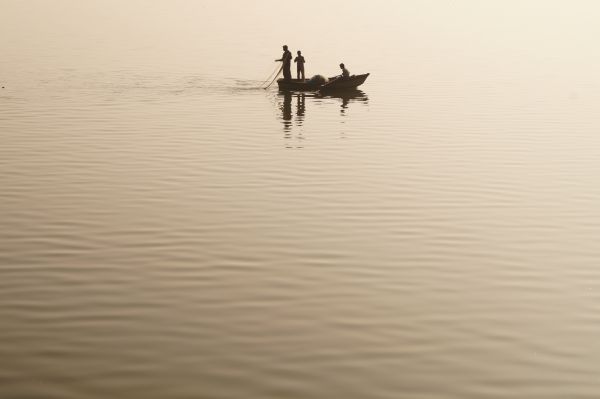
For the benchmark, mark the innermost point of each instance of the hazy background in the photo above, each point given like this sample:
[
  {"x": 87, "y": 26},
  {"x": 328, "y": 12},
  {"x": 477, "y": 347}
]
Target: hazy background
[
  {"x": 171, "y": 230},
  {"x": 459, "y": 39}
]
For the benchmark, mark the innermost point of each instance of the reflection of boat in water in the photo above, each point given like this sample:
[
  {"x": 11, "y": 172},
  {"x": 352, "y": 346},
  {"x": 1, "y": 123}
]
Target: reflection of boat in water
[
  {"x": 286, "y": 106},
  {"x": 344, "y": 95},
  {"x": 333, "y": 84},
  {"x": 347, "y": 96}
]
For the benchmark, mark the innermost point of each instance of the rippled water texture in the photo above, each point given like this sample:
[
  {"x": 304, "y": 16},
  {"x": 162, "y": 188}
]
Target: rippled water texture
[{"x": 169, "y": 230}]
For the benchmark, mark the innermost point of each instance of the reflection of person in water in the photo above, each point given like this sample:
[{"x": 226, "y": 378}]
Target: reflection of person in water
[
  {"x": 300, "y": 106},
  {"x": 348, "y": 97},
  {"x": 345, "y": 101},
  {"x": 287, "y": 114},
  {"x": 287, "y": 111}
]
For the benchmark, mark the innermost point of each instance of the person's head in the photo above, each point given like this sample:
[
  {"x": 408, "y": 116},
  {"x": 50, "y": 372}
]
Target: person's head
[
  {"x": 342, "y": 66},
  {"x": 299, "y": 52},
  {"x": 284, "y": 47}
]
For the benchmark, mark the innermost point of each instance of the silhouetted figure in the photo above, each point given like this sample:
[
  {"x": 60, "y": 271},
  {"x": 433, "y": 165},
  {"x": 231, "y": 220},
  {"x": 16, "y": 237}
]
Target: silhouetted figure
[
  {"x": 345, "y": 72},
  {"x": 299, "y": 60},
  {"x": 286, "y": 58}
]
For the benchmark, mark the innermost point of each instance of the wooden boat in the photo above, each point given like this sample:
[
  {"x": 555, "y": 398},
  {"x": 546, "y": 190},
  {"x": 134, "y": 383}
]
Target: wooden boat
[{"x": 333, "y": 84}]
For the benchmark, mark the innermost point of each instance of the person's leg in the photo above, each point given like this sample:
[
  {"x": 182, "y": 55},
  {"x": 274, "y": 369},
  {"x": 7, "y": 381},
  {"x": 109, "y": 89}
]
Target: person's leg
[{"x": 302, "y": 70}]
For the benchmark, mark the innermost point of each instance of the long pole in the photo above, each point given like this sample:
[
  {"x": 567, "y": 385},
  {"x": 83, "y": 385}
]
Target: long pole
[
  {"x": 269, "y": 77},
  {"x": 276, "y": 76}
]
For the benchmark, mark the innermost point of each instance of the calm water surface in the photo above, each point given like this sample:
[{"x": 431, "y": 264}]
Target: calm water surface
[{"x": 169, "y": 230}]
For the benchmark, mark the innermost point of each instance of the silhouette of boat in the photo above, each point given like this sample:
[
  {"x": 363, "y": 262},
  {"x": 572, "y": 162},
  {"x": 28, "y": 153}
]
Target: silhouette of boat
[{"x": 333, "y": 84}]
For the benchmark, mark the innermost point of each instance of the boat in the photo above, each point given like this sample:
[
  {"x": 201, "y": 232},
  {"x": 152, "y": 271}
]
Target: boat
[{"x": 332, "y": 84}]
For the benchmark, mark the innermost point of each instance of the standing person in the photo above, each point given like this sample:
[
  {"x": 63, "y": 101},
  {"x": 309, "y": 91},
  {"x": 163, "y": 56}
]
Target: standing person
[
  {"x": 345, "y": 72},
  {"x": 299, "y": 60},
  {"x": 286, "y": 58}
]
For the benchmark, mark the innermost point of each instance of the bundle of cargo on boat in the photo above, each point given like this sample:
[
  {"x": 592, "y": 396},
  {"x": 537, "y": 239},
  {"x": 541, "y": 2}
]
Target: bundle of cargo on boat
[{"x": 318, "y": 80}]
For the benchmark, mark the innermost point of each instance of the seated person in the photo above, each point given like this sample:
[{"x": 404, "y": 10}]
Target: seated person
[{"x": 345, "y": 72}]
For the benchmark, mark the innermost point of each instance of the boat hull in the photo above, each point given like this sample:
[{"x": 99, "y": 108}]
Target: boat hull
[
  {"x": 333, "y": 84},
  {"x": 297, "y": 85},
  {"x": 349, "y": 83}
]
